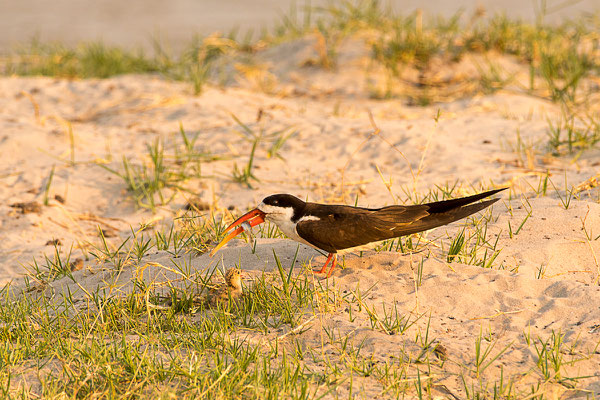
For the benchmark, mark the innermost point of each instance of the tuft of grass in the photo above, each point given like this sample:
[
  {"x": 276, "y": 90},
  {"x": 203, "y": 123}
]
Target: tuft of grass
[
  {"x": 493, "y": 77},
  {"x": 569, "y": 194},
  {"x": 47, "y": 186},
  {"x": 483, "y": 357},
  {"x": 474, "y": 247},
  {"x": 198, "y": 61},
  {"x": 277, "y": 140},
  {"x": 52, "y": 268},
  {"x": 245, "y": 175},
  {"x": 87, "y": 60},
  {"x": 550, "y": 360},
  {"x": 563, "y": 70},
  {"x": 458, "y": 244},
  {"x": 573, "y": 133},
  {"x": 148, "y": 182},
  {"x": 526, "y": 152},
  {"x": 156, "y": 183},
  {"x": 512, "y": 233}
]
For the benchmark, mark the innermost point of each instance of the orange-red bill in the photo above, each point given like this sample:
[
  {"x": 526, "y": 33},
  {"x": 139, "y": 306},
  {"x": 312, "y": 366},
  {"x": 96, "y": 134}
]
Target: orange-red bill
[{"x": 254, "y": 217}]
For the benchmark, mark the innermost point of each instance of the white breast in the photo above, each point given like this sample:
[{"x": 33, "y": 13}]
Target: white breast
[{"x": 282, "y": 217}]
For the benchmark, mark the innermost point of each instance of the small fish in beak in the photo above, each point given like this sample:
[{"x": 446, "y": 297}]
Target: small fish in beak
[{"x": 246, "y": 225}]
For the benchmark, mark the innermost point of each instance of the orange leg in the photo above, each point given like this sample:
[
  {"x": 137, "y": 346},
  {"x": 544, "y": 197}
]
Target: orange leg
[
  {"x": 333, "y": 263},
  {"x": 333, "y": 258},
  {"x": 325, "y": 265}
]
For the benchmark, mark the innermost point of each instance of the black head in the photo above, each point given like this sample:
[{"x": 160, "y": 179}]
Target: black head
[
  {"x": 282, "y": 207},
  {"x": 284, "y": 201}
]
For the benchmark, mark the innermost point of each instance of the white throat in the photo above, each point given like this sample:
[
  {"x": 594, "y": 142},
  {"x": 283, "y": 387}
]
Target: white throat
[{"x": 282, "y": 217}]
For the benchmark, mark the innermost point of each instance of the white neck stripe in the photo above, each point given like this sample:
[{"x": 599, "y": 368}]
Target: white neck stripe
[{"x": 309, "y": 218}]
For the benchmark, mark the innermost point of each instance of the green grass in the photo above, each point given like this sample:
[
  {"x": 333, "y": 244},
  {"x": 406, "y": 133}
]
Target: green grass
[
  {"x": 557, "y": 69},
  {"x": 88, "y": 60},
  {"x": 47, "y": 185},
  {"x": 475, "y": 246},
  {"x": 125, "y": 349},
  {"x": 156, "y": 180},
  {"x": 252, "y": 137},
  {"x": 573, "y": 133}
]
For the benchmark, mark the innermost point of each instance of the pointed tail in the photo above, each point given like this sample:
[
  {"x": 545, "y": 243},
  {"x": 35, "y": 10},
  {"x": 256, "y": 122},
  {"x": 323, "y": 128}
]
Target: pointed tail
[{"x": 447, "y": 211}]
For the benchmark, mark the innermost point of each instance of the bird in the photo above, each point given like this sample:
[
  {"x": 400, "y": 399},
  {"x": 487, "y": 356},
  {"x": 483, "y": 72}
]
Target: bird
[
  {"x": 335, "y": 228},
  {"x": 231, "y": 290}
]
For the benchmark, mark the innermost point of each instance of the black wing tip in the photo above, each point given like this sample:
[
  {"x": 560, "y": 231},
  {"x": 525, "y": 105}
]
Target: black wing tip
[
  {"x": 487, "y": 193},
  {"x": 446, "y": 205},
  {"x": 494, "y": 191},
  {"x": 489, "y": 202}
]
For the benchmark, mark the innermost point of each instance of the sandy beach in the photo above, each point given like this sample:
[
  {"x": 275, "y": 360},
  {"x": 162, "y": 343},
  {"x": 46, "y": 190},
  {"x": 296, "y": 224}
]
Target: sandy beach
[{"x": 524, "y": 286}]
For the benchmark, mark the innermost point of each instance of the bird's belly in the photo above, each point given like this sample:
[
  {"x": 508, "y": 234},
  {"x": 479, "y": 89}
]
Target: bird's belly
[{"x": 364, "y": 247}]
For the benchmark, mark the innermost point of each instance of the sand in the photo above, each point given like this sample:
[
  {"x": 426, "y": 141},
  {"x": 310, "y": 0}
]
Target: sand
[{"x": 545, "y": 278}]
